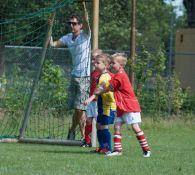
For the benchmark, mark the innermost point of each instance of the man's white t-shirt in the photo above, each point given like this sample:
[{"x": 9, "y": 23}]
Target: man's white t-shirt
[{"x": 80, "y": 51}]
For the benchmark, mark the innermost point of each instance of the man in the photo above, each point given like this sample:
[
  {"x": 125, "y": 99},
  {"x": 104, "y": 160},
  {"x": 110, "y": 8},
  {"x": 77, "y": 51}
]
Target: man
[{"x": 78, "y": 43}]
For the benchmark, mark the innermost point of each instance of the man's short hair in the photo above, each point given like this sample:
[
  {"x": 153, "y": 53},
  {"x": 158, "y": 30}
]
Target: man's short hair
[{"x": 79, "y": 19}]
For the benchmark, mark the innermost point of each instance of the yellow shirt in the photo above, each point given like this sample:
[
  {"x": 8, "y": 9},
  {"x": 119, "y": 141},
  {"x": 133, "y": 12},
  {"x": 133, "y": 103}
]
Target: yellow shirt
[{"x": 106, "y": 101}]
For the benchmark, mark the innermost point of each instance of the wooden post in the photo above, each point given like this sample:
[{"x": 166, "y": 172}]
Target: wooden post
[
  {"x": 95, "y": 24},
  {"x": 132, "y": 40},
  {"x": 95, "y": 46}
]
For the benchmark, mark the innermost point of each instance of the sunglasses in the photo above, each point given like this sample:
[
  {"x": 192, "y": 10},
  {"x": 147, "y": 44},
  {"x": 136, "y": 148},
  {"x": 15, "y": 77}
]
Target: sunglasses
[{"x": 72, "y": 23}]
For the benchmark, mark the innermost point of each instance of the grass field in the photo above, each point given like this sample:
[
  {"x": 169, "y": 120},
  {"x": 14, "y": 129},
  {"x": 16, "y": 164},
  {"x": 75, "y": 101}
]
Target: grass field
[{"x": 173, "y": 153}]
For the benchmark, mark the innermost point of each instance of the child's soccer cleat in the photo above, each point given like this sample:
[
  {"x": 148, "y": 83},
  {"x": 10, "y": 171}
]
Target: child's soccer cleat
[
  {"x": 104, "y": 151},
  {"x": 84, "y": 144},
  {"x": 107, "y": 153},
  {"x": 146, "y": 153},
  {"x": 87, "y": 145},
  {"x": 114, "y": 153},
  {"x": 97, "y": 150}
]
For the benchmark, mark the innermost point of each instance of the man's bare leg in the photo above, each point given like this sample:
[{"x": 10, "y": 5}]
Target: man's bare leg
[
  {"x": 79, "y": 118},
  {"x": 82, "y": 123}
]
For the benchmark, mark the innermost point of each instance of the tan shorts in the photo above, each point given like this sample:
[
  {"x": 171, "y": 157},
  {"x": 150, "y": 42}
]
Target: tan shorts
[{"x": 78, "y": 92}]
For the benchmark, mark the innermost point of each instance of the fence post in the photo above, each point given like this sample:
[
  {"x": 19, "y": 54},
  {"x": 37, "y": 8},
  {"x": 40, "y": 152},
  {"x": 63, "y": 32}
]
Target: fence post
[
  {"x": 95, "y": 46},
  {"x": 170, "y": 63},
  {"x": 132, "y": 40}
]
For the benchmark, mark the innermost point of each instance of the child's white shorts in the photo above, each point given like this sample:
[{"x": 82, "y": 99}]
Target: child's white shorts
[
  {"x": 129, "y": 118},
  {"x": 91, "y": 110}
]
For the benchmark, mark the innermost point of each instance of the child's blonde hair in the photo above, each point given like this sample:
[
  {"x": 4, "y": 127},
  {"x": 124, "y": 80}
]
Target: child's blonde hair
[
  {"x": 121, "y": 58},
  {"x": 96, "y": 52},
  {"x": 105, "y": 58}
]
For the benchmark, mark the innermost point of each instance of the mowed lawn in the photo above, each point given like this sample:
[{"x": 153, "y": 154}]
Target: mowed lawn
[{"x": 173, "y": 153}]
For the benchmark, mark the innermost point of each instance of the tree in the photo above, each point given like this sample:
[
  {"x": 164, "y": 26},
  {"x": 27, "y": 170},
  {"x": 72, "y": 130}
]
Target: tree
[
  {"x": 153, "y": 20},
  {"x": 13, "y": 16}
]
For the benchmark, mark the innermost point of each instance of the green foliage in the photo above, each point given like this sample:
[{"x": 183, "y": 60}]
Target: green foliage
[
  {"x": 15, "y": 92},
  {"x": 3, "y": 83},
  {"x": 156, "y": 92},
  {"x": 152, "y": 24},
  {"x": 51, "y": 91},
  {"x": 114, "y": 25},
  {"x": 49, "y": 100},
  {"x": 13, "y": 100},
  {"x": 15, "y": 23},
  {"x": 53, "y": 87},
  {"x": 189, "y": 102},
  {"x": 177, "y": 95}
]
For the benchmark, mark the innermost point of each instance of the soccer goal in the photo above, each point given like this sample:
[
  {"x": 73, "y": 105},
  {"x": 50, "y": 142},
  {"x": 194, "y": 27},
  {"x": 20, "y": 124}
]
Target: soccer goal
[{"x": 34, "y": 78}]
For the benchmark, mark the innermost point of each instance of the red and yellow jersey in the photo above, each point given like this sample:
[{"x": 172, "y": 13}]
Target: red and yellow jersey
[{"x": 106, "y": 101}]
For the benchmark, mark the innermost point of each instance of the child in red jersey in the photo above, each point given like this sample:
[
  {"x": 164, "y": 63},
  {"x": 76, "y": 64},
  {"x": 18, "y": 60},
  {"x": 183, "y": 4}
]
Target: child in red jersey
[
  {"x": 91, "y": 110},
  {"x": 128, "y": 108}
]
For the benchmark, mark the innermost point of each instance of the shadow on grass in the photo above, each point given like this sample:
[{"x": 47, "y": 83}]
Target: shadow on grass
[
  {"x": 66, "y": 150},
  {"x": 44, "y": 148}
]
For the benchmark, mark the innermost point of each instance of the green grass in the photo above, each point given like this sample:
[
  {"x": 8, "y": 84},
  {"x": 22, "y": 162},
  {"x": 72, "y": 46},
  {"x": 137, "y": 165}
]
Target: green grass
[{"x": 173, "y": 153}]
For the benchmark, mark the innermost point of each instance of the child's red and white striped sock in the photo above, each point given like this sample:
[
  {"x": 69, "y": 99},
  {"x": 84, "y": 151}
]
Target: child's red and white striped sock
[
  {"x": 142, "y": 140},
  {"x": 117, "y": 142}
]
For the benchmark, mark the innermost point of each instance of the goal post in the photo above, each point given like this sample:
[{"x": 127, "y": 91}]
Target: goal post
[{"x": 29, "y": 103}]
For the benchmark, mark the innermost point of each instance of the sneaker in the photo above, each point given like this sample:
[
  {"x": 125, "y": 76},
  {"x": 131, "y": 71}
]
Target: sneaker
[
  {"x": 71, "y": 135},
  {"x": 104, "y": 151},
  {"x": 146, "y": 153},
  {"x": 97, "y": 150},
  {"x": 107, "y": 153},
  {"x": 114, "y": 153},
  {"x": 84, "y": 144}
]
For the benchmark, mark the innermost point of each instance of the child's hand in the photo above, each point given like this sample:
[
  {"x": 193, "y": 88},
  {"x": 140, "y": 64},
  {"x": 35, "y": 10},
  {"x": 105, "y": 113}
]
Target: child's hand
[
  {"x": 86, "y": 102},
  {"x": 103, "y": 85},
  {"x": 90, "y": 99}
]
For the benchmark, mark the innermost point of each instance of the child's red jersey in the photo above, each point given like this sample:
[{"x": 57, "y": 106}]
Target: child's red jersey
[
  {"x": 94, "y": 80},
  {"x": 126, "y": 100}
]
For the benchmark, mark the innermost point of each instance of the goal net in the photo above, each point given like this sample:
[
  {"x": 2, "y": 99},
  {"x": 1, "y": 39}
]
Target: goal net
[{"x": 21, "y": 51}]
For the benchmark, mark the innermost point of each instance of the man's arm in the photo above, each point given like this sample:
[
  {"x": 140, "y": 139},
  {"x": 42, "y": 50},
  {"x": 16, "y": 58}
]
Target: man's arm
[
  {"x": 52, "y": 43},
  {"x": 57, "y": 43},
  {"x": 86, "y": 24}
]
